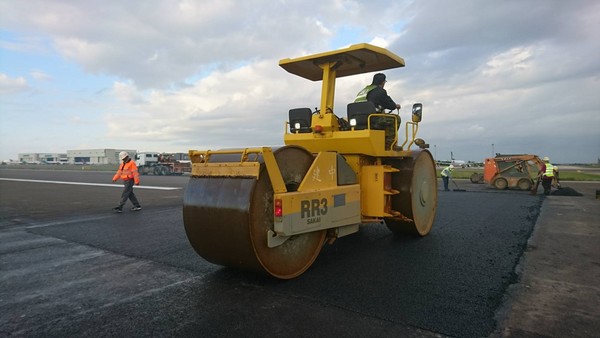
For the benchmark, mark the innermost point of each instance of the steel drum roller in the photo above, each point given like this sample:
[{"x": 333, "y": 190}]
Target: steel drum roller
[
  {"x": 417, "y": 183},
  {"x": 226, "y": 219}
]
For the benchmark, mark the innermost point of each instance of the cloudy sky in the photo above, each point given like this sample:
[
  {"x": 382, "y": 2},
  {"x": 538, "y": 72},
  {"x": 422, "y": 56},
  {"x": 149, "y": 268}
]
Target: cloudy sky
[{"x": 512, "y": 76}]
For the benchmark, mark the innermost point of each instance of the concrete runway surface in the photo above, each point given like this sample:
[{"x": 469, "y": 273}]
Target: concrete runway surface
[{"x": 70, "y": 267}]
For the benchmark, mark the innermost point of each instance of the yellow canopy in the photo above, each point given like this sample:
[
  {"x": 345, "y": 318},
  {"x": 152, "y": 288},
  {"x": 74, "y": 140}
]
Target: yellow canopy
[{"x": 356, "y": 59}]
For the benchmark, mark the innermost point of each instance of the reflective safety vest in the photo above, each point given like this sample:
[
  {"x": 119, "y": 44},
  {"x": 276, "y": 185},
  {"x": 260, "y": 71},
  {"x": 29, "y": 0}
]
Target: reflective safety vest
[
  {"x": 128, "y": 171},
  {"x": 362, "y": 95},
  {"x": 447, "y": 172},
  {"x": 549, "y": 170}
]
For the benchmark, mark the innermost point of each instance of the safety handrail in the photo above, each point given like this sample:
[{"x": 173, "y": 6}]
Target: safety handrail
[{"x": 415, "y": 129}]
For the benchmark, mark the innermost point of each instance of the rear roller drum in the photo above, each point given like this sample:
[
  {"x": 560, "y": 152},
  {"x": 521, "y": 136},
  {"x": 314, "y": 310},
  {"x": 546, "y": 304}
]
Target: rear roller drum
[
  {"x": 227, "y": 219},
  {"x": 417, "y": 200}
]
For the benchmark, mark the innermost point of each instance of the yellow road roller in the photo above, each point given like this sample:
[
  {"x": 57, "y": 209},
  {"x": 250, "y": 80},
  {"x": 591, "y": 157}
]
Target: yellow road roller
[{"x": 271, "y": 209}]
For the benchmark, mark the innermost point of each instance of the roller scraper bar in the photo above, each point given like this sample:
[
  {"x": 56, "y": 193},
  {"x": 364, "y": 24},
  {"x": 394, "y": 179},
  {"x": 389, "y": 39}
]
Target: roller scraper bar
[{"x": 239, "y": 163}]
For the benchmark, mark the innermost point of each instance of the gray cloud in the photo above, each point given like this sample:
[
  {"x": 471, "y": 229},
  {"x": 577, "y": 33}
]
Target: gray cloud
[{"x": 523, "y": 74}]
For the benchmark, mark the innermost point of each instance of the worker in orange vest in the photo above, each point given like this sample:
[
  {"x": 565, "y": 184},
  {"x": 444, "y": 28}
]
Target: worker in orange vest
[{"x": 128, "y": 172}]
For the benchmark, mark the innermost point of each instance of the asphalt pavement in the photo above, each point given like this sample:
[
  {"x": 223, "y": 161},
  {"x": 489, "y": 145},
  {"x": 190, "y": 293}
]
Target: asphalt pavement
[
  {"x": 497, "y": 263},
  {"x": 558, "y": 294}
]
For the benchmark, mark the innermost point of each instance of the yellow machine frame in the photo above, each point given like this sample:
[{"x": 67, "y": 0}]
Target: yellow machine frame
[{"x": 328, "y": 139}]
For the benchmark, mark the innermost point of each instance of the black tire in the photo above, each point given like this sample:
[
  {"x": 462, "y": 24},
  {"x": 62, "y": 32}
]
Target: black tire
[
  {"x": 500, "y": 183},
  {"x": 525, "y": 184},
  {"x": 476, "y": 178}
]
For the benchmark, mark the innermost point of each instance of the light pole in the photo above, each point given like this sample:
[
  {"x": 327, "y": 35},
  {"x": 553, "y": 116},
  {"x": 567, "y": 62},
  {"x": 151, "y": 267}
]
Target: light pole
[
  {"x": 435, "y": 151},
  {"x": 493, "y": 153}
]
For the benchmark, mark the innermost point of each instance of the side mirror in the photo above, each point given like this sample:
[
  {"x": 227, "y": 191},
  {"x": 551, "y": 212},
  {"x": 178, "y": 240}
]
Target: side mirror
[{"x": 417, "y": 112}]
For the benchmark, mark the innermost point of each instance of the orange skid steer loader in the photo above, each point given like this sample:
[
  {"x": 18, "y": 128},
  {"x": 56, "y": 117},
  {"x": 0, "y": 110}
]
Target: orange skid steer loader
[{"x": 510, "y": 171}]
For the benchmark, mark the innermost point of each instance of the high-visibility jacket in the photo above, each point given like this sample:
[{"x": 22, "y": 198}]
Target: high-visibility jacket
[
  {"x": 447, "y": 172},
  {"x": 128, "y": 171},
  {"x": 549, "y": 170},
  {"x": 362, "y": 95}
]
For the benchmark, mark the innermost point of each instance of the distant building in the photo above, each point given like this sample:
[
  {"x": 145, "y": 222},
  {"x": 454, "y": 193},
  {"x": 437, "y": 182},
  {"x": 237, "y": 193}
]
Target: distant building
[
  {"x": 97, "y": 156},
  {"x": 43, "y": 158}
]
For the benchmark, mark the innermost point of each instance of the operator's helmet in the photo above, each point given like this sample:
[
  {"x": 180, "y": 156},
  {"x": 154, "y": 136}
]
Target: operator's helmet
[
  {"x": 122, "y": 155},
  {"x": 546, "y": 159},
  {"x": 451, "y": 166}
]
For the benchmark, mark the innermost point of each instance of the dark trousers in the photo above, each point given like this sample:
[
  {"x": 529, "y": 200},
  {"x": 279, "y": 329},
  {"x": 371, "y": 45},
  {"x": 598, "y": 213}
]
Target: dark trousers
[
  {"x": 547, "y": 184},
  {"x": 128, "y": 194},
  {"x": 446, "y": 180}
]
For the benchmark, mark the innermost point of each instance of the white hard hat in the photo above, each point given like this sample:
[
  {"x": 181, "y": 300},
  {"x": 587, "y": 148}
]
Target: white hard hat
[
  {"x": 451, "y": 166},
  {"x": 546, "y": 159},
  {"x": 122, "y": 155}
]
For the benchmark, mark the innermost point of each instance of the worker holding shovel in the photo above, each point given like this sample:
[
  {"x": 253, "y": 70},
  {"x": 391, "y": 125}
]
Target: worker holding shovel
[
  {"x": 547, "y": 173},
  {"x": 446, "y": 175}
]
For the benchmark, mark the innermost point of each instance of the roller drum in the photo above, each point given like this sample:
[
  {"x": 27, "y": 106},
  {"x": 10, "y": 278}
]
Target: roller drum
[
  {"x": 226, "y": 219},
  {"x": 417, "y": 200}
]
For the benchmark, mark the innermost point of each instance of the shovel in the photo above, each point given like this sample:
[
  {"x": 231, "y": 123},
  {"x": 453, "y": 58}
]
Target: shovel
[
  {"x": 537, "y": 184},
  {"x": 457, "y": 188}
]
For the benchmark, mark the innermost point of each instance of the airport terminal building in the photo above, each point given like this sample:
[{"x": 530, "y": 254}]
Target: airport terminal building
[
  {"x": 38, "y": 158},
  {"x": 97, "y": 156},
  {"x": 81, "y": 156}
]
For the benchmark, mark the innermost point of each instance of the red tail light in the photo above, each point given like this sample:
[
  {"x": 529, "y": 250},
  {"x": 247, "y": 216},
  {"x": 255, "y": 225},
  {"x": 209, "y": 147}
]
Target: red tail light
[{"x": 278, "y": 210}]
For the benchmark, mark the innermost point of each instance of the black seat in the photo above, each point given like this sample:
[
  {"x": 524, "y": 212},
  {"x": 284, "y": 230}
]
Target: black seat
[
  {"x": 300, "y": 119},
  {"x": 360, "y": 112}
]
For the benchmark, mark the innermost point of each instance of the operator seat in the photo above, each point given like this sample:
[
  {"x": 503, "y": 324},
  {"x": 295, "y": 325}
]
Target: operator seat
[
  {"x": 300, "y": 119},
  {"x": 360, "y": 112}
]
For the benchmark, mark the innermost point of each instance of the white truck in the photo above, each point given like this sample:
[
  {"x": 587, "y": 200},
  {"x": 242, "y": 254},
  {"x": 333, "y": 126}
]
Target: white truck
[{"x": 162, "y": 164}]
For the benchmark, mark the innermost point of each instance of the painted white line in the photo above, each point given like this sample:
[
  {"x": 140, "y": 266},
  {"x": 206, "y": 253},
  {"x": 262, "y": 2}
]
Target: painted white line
[
  {"x": 82, "y": 220},
  {"x": 90, "y": 184}
]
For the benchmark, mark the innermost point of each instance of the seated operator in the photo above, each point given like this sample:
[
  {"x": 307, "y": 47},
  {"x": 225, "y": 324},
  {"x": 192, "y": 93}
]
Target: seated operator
[{"x": 376, "y": 94}]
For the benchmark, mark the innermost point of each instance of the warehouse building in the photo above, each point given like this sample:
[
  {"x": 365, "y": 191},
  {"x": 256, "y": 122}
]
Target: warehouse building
[
  {"x": 43, "y": 158},
  {"x": 97, "y": 156}
]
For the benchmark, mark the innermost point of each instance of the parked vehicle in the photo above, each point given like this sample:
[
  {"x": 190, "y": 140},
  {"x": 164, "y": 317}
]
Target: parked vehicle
[{"x": 162, "y": 164}]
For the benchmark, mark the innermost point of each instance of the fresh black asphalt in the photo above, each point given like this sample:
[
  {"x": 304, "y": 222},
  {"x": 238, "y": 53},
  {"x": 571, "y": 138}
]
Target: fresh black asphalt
[{"x": 72, "y": 268}]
